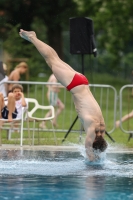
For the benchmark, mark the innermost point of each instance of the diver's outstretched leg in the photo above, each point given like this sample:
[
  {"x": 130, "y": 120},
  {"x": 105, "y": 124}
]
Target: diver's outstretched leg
[{"x": 62, "y": 71}]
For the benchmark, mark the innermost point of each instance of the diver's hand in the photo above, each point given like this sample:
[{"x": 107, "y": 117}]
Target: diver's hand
[{"x": 92, "y": 155}]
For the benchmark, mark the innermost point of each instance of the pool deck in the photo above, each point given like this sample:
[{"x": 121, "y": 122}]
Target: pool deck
[
  {"x": 73, "y": 148},
  {"x": 39, "y": 147}
]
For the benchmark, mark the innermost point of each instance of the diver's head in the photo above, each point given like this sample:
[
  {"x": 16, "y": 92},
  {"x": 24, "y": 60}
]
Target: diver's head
[{"x": 99, "y": 143}]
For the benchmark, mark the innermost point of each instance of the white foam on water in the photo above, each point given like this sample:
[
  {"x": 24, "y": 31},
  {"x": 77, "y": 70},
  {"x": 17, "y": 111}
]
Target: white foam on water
[
  {"x": 107, "y": 167},
  {"x": 64, "y": 165},
  {"x": 49, "y": 168}
]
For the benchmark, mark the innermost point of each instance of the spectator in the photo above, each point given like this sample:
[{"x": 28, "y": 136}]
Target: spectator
[
  {"x": 52, "y": 95},
  {"x": 3, "y": 86},
  {"x": 21, "y": 68},
  {"x": 12, "y": 108},
  {"x": 124, "y": 118}
]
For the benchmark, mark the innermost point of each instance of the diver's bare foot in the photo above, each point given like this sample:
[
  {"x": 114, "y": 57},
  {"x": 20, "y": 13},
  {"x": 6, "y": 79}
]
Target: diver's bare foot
[
  {"x": 117, "y": 124},
  {"x": 27, "y": 35}
]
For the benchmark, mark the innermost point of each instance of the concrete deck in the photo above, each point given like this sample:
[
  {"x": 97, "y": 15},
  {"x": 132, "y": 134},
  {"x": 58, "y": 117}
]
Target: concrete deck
[
  {"x": 75, "y": 148},
  {"x": 39, "y": 148}
]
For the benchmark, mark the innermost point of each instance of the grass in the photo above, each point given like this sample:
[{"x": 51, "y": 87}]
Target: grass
[{"x": 119, "y": 137}]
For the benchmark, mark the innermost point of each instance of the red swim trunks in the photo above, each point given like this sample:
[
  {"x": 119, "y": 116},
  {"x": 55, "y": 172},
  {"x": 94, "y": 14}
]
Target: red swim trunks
[{"x": 78, "y": 79}]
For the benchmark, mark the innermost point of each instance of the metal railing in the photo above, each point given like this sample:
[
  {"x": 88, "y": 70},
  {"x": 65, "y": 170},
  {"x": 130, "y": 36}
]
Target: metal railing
[
  {"x": 126, "y": 104},
  {"x": 107, "y": 100},
  {"x": 105, "y": 95}
]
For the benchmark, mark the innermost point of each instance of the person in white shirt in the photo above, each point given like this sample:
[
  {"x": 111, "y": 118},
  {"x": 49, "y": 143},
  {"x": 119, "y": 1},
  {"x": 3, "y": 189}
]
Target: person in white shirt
[
  {"x": 12, "y": 108},
  {"x": 3, "y": 85}
]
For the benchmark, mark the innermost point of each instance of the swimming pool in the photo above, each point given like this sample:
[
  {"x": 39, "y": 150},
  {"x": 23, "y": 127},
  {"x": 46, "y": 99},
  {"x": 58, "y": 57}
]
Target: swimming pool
[{"x": 64, "y": 175}]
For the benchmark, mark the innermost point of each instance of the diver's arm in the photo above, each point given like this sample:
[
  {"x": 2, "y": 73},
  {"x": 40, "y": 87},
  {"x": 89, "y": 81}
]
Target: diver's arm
[{"x": 89, "y": 144}]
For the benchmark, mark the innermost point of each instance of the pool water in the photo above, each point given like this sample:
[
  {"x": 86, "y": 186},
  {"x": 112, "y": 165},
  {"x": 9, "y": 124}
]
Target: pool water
[{"x": 61, "y": 175}]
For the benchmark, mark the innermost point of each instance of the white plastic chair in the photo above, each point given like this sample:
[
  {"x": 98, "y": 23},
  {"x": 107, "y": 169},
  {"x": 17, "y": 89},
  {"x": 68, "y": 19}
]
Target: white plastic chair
[
  {"x": 21, "y": 124},
  {"x": 39, "y": 119}
]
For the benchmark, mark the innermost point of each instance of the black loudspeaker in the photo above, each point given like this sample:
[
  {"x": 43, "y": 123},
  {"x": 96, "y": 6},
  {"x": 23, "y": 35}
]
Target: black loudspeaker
[{"x": 82, "y": 36}]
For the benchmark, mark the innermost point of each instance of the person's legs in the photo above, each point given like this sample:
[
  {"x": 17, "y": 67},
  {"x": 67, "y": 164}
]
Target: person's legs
[
  {"x": 52, "y": 98},
  {"x": 43, "y": 123},
  {"x": 124, "y": 118},
  {"x": 62, "y": 71},
  {"x": 60, "y": 108},
  {"x": 2, "y": 104},
  {"x": 10, "y": 106}
]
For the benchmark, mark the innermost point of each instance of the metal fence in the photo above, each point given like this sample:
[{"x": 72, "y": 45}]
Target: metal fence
[
  {"x": 105, "y": 95},
  {"x": 125, "y": 108}
]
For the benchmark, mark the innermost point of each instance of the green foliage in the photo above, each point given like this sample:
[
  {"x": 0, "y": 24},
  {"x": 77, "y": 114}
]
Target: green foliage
[
  {"x": 47, "y": 18},
  {"x": 113, "y": 29},
  {"x": 14, "y": 44},
  {"x": 112, "y": 24},
  {"x": 24, "y": 49}
]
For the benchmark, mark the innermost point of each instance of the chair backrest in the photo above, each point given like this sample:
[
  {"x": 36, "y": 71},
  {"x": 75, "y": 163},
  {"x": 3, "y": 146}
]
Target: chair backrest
[
  {"x": 38, "y": 106},
  {"x": 31, "y": 100}
]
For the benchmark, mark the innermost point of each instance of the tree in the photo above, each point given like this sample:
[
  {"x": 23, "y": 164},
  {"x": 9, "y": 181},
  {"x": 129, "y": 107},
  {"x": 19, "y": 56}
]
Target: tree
[
  {"x": 54, "y": 14},
  {"x": 113, "y": 25},
  {"x": 16, "y": 12}
]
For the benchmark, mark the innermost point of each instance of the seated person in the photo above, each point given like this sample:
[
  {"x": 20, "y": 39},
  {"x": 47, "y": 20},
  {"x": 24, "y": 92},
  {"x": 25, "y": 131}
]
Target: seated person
[
  {"x": 3, "y": 85},
  {"x": 12, "y": 107}
]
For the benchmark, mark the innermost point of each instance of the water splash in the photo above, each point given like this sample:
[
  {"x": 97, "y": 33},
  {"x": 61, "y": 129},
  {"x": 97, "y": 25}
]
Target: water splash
[{"x": 52, "y": 163}]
